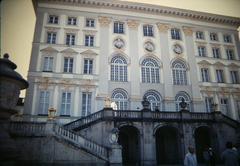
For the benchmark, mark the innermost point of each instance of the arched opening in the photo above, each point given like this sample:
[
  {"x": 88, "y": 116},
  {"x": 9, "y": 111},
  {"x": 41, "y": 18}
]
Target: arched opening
[
  {"x": 167, "y": 145},
  {"x": 204, "y": 138},
  {"x": 130, "y": 142}
]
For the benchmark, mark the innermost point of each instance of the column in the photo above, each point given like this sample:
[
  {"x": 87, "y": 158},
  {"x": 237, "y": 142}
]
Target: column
[
  {"x": 232, "y": 108},
  {"x": 76, "y": 110},
  {"x": 56, "y": 98},
  {"x": 58, "y": 63},
  {"x": 192, "y": 65},
  {"x": 167, "y": 80},
  {"x": 34, "y": 108},
  {"x": 134, "y": 66}
]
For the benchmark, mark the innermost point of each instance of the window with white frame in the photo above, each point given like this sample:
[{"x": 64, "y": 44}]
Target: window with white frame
[
  {"x": 199, "y": 35},
  {"x": 118, "y": 69},
  {"x": 90, "y": 22},
  {"x": 66, "y": 104},
  {"x": 209, "y": 104},
  {"x": 52, "y": 19},
  {"x": 120, "y": 97},
  {"x": 48, "y": 64},
  {"x": 224, "y": 105},
  {"x": 150, "y": 71},
  {"x": 118, "y": 27},
  {"x": 205, "y": 75},
  {"x": 88, "y": 66},
  {"x": 179, "y": 72},
  {"x": 72, "y": 20},
  {"x": 175, "y": 33},
  {"x": 213, "y": 36},
  {"x": 178, "y": 100},
  {"x": 220, "y": 77},
  {"x": 68, "y": 65},
  {"x": 155, "y": 100},
  {"x": 70, "y": 39},
  {"x": 216, "y": 52},
  {"x": 43, "y": 103},
  {"x": 89, "y": 40},
  {"x": 230, "y": 54},
  {"x": 147, "y": 30},
  {"x": 227, "y": 38},
  {"x": 51, "y": 37},
  {"x": 86, "y": 103},
  {"x": 202, "y": 51},
  {"x": 234, "y": 77}
]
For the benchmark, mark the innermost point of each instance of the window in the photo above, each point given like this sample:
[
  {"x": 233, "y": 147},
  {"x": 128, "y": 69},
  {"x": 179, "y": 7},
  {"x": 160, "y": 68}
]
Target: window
[
  {"x": 202, "y": 51},
  {"x": 70, "y": 40},
  {"x": 66, "y": 104},
  {"x": 86, "y": 103},
  {"x": 209, "y": 104},
  {"x": 175, "y": 33},
  {"x": 89, "y": 40},
  {"x": 224, "y": 105},
  {"x": 48, "y": 64},
  {"x": 178, "y": 100},
  {"x": 68, "y": 65},
  {"x": 147, "y": 30},
  {"x": 118, "y": 27},
  {"x": 227, "y": 38},
  {"x": 120, "y": 97},
  {"x": 43, "y": 103},
  {"x": 230, "y": 54},
  {"x": 205, "y": 75},
  {"x": 53, "y": 19},
  {"x": 199, "y": 35},
  {"x": 88, "y": 66},
  {"x": 51, "y": 37},
  {"x": 90, "y": 22},
  {"x": 155, "y": 100},
  {"x": 179, "y": 72},
  {"x": 216, "y": 53},
  {"x": 72, "y": 21},
  {"x": 220, "y": 78},
  {"x": 234, "y": 77},
  {"x": 150, "y": 71},
  {"x": 213, "y": 37},
  {"x": 118, "y": 69}
]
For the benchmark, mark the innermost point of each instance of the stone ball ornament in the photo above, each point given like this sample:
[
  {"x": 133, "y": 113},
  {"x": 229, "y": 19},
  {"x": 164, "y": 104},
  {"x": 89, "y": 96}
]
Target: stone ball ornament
[
  {"x": 149, "y": 46},
  {"x": 177, "y": 49},
  {"x": 118, "y": 43}
]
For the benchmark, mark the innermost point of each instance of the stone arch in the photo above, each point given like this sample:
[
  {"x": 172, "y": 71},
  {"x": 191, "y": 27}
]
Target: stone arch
[
  {"x": 179, "y": 60},
  {"x": 120, "y": 54},
  {"x": 151, "y": 56}
]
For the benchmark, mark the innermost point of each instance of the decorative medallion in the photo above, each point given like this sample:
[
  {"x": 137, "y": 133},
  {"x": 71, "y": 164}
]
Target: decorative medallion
[
  {"x": 118, "y": 43},
  {"x": 149, "y": 46},
  {"x": 177, "y": 49}
]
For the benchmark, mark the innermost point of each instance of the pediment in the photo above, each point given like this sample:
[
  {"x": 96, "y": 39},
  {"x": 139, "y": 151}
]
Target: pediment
[
  {"x": 49, "y": 49},
  {"x": 69, "y": 51},
  {"x": 204, "y": 62},
  {"x": 88, "y": 52},
  {"x": 218, "y": 64},
  {"x": 233, "y": 65}
]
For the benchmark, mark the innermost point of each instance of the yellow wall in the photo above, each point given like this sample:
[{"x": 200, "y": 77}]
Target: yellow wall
[{"x": 18, "y": 21}]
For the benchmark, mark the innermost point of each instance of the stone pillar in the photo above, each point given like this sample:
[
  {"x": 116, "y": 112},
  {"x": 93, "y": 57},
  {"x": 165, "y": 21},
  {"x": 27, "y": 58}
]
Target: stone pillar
[
  {"x": 76, "y": 110},
  {"x": 58, "y": 63},
  {"x": 192, "y": 64},
  {"x": 168, "y": 90},
  {"x": 56, "y": 97},
  {"x": 232, "y": 108},
  {"x": 115, "y": 156}
]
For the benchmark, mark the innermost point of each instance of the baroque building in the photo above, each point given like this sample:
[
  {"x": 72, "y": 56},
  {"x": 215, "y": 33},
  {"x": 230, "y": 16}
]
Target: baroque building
[{"x": 85, "y": 51}]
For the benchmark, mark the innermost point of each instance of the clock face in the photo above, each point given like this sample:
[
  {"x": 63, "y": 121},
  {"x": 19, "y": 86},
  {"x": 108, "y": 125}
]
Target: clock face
[{"x": 177, "y": 49}]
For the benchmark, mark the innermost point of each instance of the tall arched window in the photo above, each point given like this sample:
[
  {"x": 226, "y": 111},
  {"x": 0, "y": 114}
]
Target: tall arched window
[
  {"x": 120, "y": 97},
  {"x": 178, "y": 100},
  {"x": 150, "y": 71},
  {"x": 179, "y": 72},
  {"x": 154, "y": 98},
  {"x": 118, "y": 69}
]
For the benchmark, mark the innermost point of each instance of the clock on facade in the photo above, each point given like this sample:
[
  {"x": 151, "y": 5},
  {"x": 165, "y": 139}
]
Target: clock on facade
[{"x": 177, "y": 49}]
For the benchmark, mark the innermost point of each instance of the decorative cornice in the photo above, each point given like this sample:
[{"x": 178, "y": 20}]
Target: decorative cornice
[
  {"x": 163, "y": 27},
  {"x": 104, "y": 21},
  {"x": 187, "y": 31},
  {"x": 133, "y": 24},
  {"x": 152, "y": 9}
]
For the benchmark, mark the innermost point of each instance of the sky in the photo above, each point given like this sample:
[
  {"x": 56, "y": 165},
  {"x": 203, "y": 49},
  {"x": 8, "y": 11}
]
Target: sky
[{"x": 18, "y": 21}]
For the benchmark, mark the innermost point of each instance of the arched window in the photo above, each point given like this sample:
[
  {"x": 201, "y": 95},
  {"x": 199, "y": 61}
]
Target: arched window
[
  {"x": 118, "y": 69},
  {"x": 150, "y": 71},
  {"x": 154, "y": 98},
  {"x": 179, "y": 72},
  {"x": 178, "y": 100},
  {"x": 120, "y": 97}
]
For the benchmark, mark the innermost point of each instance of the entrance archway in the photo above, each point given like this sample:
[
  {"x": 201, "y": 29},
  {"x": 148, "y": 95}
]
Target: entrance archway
[
  {"x": 167, "y": 145},
  {"x": 129, "y": 140}
]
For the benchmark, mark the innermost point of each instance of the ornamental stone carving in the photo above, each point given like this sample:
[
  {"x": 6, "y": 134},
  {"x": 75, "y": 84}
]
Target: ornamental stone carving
[
  {"x": 104, "y": 21},
  {"x": 118, "y": 43},
  {"x": 188, "y": 31},
  {"x": 132, "y": 24},
  {"x": 148, "y": 46},
  {"x": 163, "y": 27}
]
